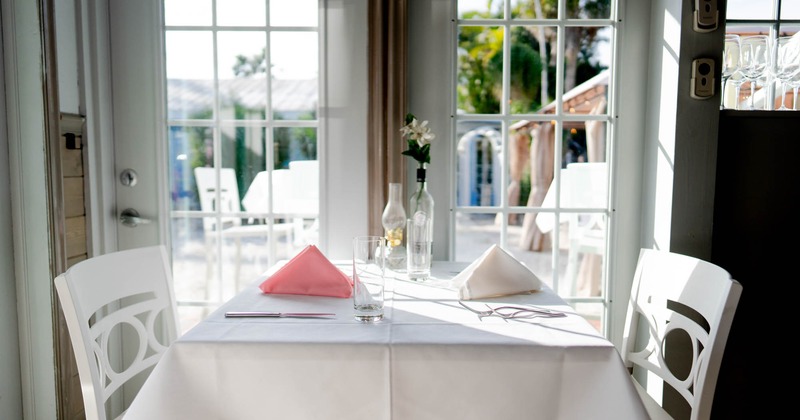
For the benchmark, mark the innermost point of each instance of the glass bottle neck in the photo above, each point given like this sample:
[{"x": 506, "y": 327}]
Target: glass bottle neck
[
  {"x": 395, "y": 192},
  {"x": 421, "y": 177}
]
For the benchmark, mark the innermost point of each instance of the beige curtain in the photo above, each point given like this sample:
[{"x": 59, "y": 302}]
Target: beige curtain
[{"x": 387, "y": 103}]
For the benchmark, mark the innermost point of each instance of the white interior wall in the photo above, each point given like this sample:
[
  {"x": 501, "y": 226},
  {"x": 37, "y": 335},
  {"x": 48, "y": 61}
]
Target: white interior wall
[
  {"x": 10, "y": 390},
  {"x": 633, "y": 79},
  {"x": 27, "y": 172},
  {"x": 343, "y": 212},
  {"x": 429, "y": 69},
  {"x": 663, "y": 61}
]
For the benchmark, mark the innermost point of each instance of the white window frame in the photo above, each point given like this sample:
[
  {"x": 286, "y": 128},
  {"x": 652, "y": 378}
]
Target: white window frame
[{"x": 431, "y": 52}]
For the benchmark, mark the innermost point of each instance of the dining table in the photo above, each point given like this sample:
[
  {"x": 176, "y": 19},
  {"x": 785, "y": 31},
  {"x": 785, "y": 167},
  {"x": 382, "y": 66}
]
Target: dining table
[{"x": 430, "y": 357}]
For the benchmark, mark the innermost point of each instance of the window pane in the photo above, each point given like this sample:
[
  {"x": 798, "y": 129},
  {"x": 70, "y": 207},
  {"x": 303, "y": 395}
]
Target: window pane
[
  {"x": 187, "y": 12},
  {"x": 294, "y": 144},
  {"x": 241, "y": 13},
  {"x": 293, "y": 12},
  {"x": 480, "y": 9},
  {"x": 589, "y": 9},
  {"x": 242, "y": 73},
  {"x": 585, "y": 246},
  {"x": 190, "y": 75},
  {"x": 475, "y": 233},
  {"x": 587, "y": 57},
  {"x": 750, "y": 9},
  {"x": 584, "y": 141},
  {"x": 519, "y": 172},
  {"x": 294, "y": 55},
  {"x": 295, "y": 87},
  {"x": 789, "y": 30},
  {"x": 790, "y": 9},
  {"x": 536, "y": 138},
  {"x": 480, "y": 69},
  {"x": 479, "y": 164},
  {"x": 531, "y": 72},
  {"x": 526, "y": 9},
  {"x": 189, "y": 147},
  {"x": 530, "y": 246}
]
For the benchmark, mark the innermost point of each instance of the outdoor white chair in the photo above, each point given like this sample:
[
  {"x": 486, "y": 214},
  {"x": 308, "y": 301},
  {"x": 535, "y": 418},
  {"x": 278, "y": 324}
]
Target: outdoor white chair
[
  {"x": 295, "y": 195},
  {"x": 679, "y": 316},
  {"x": 120, "y": 312},
  {"x": 227, "y": 202},
  {"x": 583, "y": 185}
]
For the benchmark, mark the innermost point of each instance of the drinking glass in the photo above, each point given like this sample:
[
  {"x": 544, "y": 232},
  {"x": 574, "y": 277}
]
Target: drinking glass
[
  {"x": 794, "y": 83},
  {"x": 368, "y": 277},
  {"x": 787, "y": 63},
  {"x": 755, "y": 61},
  {"x": 731, "y": 58}
]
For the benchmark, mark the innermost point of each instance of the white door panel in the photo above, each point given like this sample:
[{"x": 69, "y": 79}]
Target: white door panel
[{"x": 137, "y": 98}]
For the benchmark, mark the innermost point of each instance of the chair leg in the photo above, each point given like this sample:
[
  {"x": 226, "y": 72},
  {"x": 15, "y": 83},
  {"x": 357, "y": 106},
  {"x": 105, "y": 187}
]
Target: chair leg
[{"x": 568, "y": 283}]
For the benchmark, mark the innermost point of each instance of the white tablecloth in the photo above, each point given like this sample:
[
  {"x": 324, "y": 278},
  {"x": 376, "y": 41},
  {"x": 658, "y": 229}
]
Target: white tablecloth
[{"x": 428, "y": 359}]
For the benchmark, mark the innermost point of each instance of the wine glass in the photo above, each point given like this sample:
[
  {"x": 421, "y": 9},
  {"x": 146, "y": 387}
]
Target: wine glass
[
  {"x": 755, "y": 60},
  {"x": 731, "y": 59},
  {"x": 787, "y": 64},
  {"x": 794, "y": 83}
]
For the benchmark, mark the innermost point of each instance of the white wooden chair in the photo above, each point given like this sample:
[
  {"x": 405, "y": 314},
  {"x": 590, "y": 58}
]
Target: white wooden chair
[
  {"x": 120, "y": 312},
  {"x": 679, "y": 316}
]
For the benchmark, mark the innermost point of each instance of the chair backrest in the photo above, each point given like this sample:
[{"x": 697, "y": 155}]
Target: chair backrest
[
  {"x": 206, "y": 179},
  {"x": 120, "y": 312},
  {"x": 679, "y": 316}
]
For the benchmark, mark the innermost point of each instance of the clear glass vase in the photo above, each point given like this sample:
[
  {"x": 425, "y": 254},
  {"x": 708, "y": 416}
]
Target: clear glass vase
[
  {"x": 394, "y": 222},
  {"x": 419, "y": 231}
]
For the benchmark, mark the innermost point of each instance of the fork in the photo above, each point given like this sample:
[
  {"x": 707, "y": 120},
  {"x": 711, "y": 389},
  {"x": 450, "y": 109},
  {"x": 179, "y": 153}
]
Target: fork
[
  {"x": 480, "y": 314},
  {"x": 532, "y": 312},
  {"x": 516, "y": 312}
]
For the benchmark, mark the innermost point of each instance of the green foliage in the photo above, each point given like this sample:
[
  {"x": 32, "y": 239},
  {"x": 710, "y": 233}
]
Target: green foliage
[
  {"x": 420, "y": 154},
  {"x": 245, "y": 67},
  {"x": 480, "y": 63}
]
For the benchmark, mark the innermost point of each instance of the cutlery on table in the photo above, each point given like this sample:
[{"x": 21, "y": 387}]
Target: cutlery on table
[
  {"x": 509, "y": 312},
  {"x": 263, "y": 314}
]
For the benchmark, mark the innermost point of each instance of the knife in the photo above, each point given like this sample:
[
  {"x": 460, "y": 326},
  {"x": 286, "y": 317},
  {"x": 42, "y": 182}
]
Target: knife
[{"x": 240, "y": 314}]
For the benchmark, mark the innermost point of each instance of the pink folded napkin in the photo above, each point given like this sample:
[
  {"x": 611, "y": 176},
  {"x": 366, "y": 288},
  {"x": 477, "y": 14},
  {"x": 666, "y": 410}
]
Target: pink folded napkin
[{"x": 309, "y": 273}]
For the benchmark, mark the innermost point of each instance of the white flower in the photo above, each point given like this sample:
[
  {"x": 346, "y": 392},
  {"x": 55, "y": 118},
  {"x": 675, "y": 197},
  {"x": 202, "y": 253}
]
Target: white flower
[
  {"x": 418, "y": 136},
  {"x": 419, "y": 132}
]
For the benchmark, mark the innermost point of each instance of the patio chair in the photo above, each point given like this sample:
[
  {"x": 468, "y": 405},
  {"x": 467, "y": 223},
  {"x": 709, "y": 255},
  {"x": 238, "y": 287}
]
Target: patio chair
[
  {"x": 227, "y": 204},
  {"x": 295, "y": 195},
  {"x": 679, "y": 316},
  {"x": 583, "y": 185},
  {"x": 120, "y": 312}
]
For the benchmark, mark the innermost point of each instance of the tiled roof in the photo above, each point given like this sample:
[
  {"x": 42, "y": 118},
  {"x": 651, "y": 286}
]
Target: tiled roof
[{"x": 187, "y": 98}]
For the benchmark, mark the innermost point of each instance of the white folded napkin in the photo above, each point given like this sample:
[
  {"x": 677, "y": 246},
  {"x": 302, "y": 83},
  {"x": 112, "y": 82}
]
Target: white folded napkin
[{"x": 495, "y": 273}]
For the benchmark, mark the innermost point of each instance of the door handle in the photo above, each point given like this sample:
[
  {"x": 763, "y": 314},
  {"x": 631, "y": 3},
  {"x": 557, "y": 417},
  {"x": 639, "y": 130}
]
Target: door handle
[{"x": 131, "y": 218}]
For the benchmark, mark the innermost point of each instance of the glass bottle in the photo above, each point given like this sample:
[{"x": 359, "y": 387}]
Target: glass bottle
[
  {"x": 394, "y": 221},
  {"x": 419, "y": 230}
]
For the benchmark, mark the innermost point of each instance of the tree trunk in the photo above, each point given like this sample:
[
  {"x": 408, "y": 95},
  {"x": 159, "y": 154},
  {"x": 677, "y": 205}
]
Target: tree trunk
[
  {"x": 596, "y": 135},
  {"x": 542, "y": 143},
  {"x": 519, "y": 150}
]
